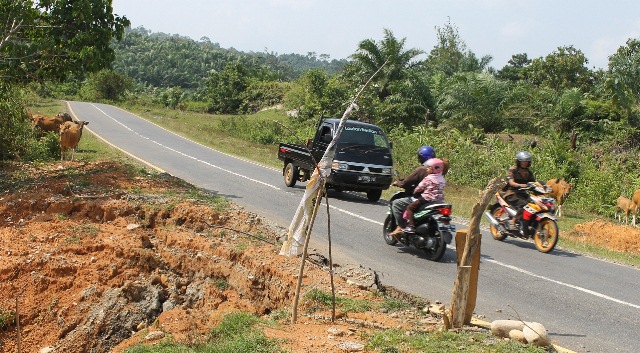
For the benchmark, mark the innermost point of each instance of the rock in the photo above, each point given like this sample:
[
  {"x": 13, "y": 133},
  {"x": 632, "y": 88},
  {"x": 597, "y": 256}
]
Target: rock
[
  {"x": 517, "y": 335},
  {"x": 46, "y": 350},
  {"x": 437, "y": 309},
  {"x": 154, "y": 335},
  {"x": 501, "y": 328},
  {"x": 536, "y": 334},
  {"x": 351, "y": 346}
]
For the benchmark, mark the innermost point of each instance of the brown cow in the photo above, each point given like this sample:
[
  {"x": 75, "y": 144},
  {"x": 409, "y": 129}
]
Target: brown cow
[
  {"x": 70, "y": 133},
  {"x": 636, "y": 202},
  {"x": 560, "y": 190},
  {"x": 623, "y": 205},
  {"x": 49, "y": 123}
]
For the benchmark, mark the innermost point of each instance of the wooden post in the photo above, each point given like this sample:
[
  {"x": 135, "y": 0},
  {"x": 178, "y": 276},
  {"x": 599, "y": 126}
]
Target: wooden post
[
  {"x": 461, "y": 239},
  {"x": 458, "y": 310}
]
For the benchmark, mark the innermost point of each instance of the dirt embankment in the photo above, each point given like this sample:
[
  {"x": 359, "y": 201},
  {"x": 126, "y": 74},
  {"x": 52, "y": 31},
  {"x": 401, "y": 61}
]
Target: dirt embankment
[{"x": 97, "y": 258}]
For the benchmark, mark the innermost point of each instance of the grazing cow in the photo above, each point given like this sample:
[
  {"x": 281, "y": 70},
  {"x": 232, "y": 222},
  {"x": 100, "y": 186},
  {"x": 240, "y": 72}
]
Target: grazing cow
[
  {"x": 49, "y": 123},
  {"x": 560, "y": 190},
  {"x": 636, "y": 206},
  {"x": 70, "y": 133},
  {"x": 623, "y": 205}
]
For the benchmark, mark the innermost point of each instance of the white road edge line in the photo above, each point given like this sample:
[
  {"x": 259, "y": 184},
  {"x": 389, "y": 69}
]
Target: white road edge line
[
  {"x": 188, "y": 156},
  {"x": 588, "y": 291}
]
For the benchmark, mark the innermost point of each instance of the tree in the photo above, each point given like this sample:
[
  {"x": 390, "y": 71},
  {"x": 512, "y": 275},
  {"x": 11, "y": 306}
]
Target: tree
[
  {"x": 450, "y": 55},
  {"x": 473, "y": 100},
  {"x": 226, "y": 88},
  {"x": 623, "y": 76},
  {"x": 315, "y": 94},
  {"x": 106, "y": 84},
  {"x": 371, "y": 55},
  {"x": 563, "y": 69},
  {"x": 513, "y": 70},
  {"x": 411, "y": 103},
  {"x": 49, "y": 39}
]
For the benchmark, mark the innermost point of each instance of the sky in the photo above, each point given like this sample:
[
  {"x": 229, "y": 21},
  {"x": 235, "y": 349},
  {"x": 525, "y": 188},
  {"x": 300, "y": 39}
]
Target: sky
[{"x": 499, "y": 28}]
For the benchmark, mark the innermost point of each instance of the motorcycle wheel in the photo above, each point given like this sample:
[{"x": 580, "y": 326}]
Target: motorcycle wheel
[
  {"x": 388, "y": 227},
  {"x": 546, "y": 236},
  {"x": 291, "y": 173},
  {"x": 497, "y": 213},
  {"x": 436, "y": 253}
]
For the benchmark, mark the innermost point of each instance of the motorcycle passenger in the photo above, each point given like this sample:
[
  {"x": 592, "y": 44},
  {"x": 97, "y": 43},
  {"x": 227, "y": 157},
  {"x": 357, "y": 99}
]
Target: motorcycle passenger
[
  {"x": 430, "y": 190},
  {"x": 409, "y": 184},
  {"x": 518, "y": 177}
]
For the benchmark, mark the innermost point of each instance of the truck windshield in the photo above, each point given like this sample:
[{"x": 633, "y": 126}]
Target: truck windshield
[{"x": 352, "y": 135}]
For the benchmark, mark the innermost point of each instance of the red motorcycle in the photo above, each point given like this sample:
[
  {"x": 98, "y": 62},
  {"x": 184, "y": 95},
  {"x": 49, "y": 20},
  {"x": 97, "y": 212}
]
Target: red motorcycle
[{"x": 538, "y": 220}]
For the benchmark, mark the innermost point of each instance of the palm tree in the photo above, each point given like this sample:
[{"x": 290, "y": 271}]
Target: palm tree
[{"x": 371, "y": 55}]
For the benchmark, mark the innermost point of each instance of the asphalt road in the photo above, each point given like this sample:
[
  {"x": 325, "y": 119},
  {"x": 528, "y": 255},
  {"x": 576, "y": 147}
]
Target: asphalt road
[{"x": 587, "y": 305}]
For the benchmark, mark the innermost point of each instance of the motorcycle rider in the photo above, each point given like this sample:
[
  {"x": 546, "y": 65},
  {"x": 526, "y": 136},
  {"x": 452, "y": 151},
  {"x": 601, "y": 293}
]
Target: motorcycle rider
[
  {"x": 518, "y": 178},
  {"x": 429, "y": 191},
  {"x": 409, "y": 184}
]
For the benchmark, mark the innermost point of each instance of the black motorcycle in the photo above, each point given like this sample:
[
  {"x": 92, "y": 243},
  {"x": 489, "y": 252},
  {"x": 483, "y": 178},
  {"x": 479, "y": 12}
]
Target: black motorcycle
[{"x": 433, "y": 228}]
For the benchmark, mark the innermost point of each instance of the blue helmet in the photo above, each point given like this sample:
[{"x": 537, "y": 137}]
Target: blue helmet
[{"x": 425, "y": 153}]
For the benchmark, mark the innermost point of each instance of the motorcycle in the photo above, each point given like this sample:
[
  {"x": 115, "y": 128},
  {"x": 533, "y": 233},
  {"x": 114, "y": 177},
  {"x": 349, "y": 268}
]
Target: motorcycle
[
  {"x": 433, "y": 230},
  {"x": 537, "y": 221}
]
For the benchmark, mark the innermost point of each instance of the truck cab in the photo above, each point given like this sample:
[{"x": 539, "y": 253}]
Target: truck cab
[{"x": 363, "y": 160}]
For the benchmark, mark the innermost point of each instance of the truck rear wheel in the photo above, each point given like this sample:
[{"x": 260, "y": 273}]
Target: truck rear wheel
[
  {"x": 291, "y": 174},
  {"x": 374, "y": 195}
]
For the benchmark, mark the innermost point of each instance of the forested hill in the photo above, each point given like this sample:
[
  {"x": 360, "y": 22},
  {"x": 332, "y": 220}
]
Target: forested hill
[{"x": 164, "y": 60}]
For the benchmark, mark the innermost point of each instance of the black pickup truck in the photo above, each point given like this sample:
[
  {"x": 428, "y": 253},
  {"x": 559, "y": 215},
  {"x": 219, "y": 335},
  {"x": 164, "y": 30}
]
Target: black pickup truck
[{"x": 362, "y": 161}]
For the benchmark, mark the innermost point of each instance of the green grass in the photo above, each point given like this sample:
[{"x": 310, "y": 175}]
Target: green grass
[
  {"x": 600, "y": 252},
  {"x": 237, "y": 332},
  {"x": 321, "y": 300},
  {"x": 395, "y": 341},
  {"x": 7, "y": 319},
  {"x": 204, "y": 129}
]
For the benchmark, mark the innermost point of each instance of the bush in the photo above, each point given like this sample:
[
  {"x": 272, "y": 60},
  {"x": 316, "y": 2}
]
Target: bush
[
  {"x": 259, "y": 131},
  {"x": 15, "y": 131}
]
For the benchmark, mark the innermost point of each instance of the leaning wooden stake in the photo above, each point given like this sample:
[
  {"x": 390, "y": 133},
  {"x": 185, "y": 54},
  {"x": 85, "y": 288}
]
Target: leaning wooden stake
[
  {"x": 457, "y": 313},
  {"x": 333, "y": 287},
  {"x": 316, "y": 206},
  {"x": 19, "y": 334}
]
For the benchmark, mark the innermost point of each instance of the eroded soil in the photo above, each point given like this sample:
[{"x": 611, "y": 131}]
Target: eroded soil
[{"x": 96, "y": 257}]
